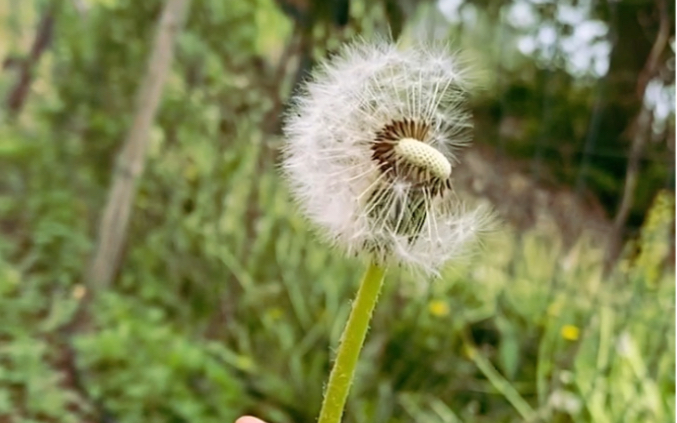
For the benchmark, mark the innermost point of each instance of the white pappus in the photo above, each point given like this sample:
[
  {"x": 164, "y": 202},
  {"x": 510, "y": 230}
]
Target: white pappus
[{"x": 370, "y": 144}]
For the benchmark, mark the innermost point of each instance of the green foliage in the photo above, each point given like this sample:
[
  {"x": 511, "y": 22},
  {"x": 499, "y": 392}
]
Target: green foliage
[
  {"x": 523, "y": 324},
  {"x": 142, "y": 369},
  {"x": 30, "y": 383},
  {"x": 228, "y": 303}
]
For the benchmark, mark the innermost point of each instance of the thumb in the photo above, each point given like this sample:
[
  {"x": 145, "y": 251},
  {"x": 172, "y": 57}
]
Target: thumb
[{"x": 249, "y": 419}]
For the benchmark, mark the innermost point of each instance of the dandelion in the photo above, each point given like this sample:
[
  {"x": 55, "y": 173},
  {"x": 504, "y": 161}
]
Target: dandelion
[
  {"x": 438, "y": 308},
  {"x": 570, "y": 332},
  {"x": 371, "y": 142}
]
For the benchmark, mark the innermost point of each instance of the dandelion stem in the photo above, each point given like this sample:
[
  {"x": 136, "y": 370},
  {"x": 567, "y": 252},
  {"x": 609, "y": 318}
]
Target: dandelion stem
[{"x": 351, "y": 343}]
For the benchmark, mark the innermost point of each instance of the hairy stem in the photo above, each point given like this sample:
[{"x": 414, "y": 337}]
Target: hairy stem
[{"x": 352, "y": 340}]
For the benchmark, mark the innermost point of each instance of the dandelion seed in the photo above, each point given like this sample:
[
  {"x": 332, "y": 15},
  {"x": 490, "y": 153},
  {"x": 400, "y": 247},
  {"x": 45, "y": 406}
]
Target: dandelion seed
[{"x": 370, "y": 149}]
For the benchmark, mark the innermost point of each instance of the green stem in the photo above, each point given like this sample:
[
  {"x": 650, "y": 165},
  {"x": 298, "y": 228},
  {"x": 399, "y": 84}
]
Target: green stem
[
  {"x": 341, "y": 376},
  {"x": 498, "y": 381}
]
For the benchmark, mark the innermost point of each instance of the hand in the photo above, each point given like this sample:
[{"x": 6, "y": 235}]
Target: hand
[{"x": 248, "y": 419}]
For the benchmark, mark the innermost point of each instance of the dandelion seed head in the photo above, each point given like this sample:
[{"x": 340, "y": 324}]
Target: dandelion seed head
[{"x": 371, "y": 140}]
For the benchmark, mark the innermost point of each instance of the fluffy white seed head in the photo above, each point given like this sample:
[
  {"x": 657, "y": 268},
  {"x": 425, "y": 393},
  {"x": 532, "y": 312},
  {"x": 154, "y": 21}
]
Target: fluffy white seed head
[{"x": 370, "y": 143}]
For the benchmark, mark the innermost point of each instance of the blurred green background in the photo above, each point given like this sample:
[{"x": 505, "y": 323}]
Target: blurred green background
[{"x": 225, "y": 302}]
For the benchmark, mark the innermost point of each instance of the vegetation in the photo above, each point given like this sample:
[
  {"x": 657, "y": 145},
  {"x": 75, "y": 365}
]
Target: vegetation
[{"x": 225, "y": 302}]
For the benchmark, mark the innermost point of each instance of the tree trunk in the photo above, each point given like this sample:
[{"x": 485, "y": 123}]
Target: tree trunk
[
  {"x": 639, "y": 132},
  {"x": 18, "y": 94},
  {"x": 131, "y": 161}
]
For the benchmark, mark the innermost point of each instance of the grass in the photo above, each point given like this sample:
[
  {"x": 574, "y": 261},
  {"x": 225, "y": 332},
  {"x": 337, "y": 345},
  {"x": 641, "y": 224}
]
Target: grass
[{"x": 228, "y": 304}]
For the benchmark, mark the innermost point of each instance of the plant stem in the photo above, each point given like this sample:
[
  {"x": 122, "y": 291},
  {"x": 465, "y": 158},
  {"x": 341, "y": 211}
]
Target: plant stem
[
  {"x": 351, "y": 343},
  {"x": 498, "y": 381}
]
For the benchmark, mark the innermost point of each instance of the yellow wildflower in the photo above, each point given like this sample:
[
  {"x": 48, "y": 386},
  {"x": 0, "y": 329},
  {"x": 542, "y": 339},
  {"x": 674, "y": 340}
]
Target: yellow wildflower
[
  {"x": 438, "y": 308},
  {"x": 570, "y": 332}
]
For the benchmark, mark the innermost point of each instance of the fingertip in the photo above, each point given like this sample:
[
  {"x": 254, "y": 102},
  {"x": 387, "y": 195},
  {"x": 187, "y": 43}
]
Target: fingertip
[{"x": 248, "y": 419}]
